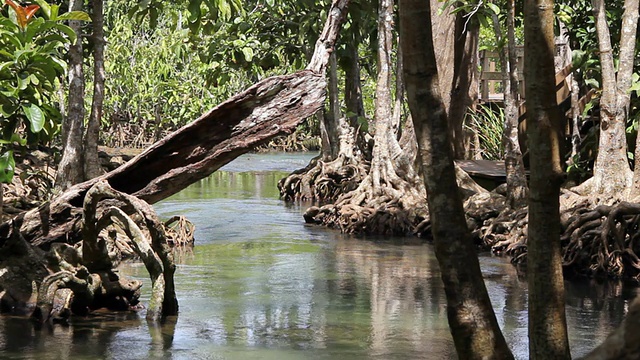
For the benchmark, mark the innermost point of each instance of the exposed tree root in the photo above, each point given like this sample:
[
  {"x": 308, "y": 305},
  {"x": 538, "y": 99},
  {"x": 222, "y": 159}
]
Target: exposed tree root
[
  {"x": 389, "y": 200},
  {"x": 180, "y": 231},
  {"x": 603, "y": 240},
  {"x": 79, "y": 278},
  {"x": 597, "y": 240},
  {"x": 323, "y": 181}
]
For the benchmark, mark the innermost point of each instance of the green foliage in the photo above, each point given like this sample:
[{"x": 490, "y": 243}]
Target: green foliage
[
  {"x": 482, "y": 11},
  {"x": 154, "y": 80},
  {"x": 31, "y": 61},
  {"x": 488, "y": 123}
]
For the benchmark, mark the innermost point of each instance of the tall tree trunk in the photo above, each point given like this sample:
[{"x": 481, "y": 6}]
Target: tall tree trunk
[
  {"x": 625, "y": 74},
  {"x": 326, "y": 179},
  {"x": 383, "y": 105},
  {"x": 611, "y": 174},
  {"x": 517, "y": 190},
  {"x": 70, "y": 169},
  {"x": 91, "y": 161},
  {"x": 547, "y": 322},
  {"x": 471, "y": 318},
  {"x": 464, "y": 94}
]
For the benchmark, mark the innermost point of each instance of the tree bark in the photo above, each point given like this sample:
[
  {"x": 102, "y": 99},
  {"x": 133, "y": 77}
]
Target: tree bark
[
  {"x": 353, "y": 88},
  {"x": 70, "y": 169},
  {"x": 330, "y": 123},
  {"x": 91, "y": 161},
  {"x": 464, "y": 93},
  {"x": 517, "y": 190},
  {"x": 327, "y": 40},
  {"x": 473, "y": 324},
  {"x": 625, "y": 73},
  {"x": 611, "y": 174},
  {"x": 547, "y": 322}
]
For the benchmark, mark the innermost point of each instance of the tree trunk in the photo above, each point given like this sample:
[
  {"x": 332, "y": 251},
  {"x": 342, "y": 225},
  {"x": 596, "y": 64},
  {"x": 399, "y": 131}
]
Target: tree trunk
[
  {"x": 611, "y": 174},
  {"x": 383, "y": 117},
  {"x": 353, "y": 88},
  {"x": 70, "y": 169},
  {"x": 547, "y": 323},
  {"x": 91, "y": 161},
  {"x": 464, "y": 85},
  {"x": 625, "y": 74},
  {"x": 331, "y": 126},
  {"x": 473, "y": 324},
  {"x": 517, "y": 190}
]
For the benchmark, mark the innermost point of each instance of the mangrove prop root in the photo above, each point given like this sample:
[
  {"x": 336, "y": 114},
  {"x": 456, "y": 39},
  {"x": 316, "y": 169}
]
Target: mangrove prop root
[
  {"x": 597, "y": 240},
  {"x": 180, "y": 231},
  {"x": 155, "y": 254},
  {"x": 89, "y": 273},
  {"x": 323, "y": 181}
]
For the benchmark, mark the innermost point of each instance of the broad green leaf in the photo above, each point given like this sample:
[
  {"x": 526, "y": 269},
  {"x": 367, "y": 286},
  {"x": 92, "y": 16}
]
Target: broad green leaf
[
  {"x": 5, "y": 65},
  {"x": 35, "y": 116},
  {"x": 194, "y": 10},
  {"x": 7, "y": 110},
  {"x": 75, "y": 15},
  {"x": 7, "y": 167},
  {"x": 248, "y": 53},
  {"x": 55, "y": 9},
  {"x": 15, "y": 139},
  {"x": 46, "y": 8},
  {"x": 494, "y": 8},
  {"x": 67, "y": 31}
]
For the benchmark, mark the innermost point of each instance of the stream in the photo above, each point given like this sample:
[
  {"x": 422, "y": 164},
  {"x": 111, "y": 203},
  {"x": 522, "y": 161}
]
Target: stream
[{"x": 261, "y": 284}]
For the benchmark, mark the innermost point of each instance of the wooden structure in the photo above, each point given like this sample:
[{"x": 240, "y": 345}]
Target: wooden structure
[
  {"x": 487, "y": 173},
  {"x": 491, "y": 75}
]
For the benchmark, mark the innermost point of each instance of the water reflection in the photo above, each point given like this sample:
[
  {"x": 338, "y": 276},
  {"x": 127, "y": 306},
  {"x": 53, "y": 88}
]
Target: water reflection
[{"x": 262, "y": 285}]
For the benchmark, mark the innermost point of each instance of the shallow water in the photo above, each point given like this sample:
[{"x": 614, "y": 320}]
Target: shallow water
[{"x": 260, "y": 284}]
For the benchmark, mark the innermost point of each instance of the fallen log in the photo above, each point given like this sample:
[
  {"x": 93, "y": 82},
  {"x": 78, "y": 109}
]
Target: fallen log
[
  {"x": 269, "y": 108},
  {"x": 272, "y": 107}
]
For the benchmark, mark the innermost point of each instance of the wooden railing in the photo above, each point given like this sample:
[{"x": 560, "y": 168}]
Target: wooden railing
[{"x": 491, "y": 75}]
